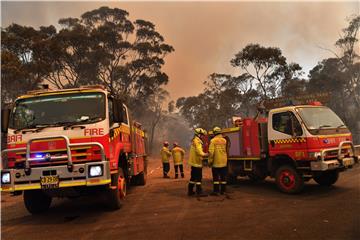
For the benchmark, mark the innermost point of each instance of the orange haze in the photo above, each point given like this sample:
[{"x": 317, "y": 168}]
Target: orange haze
[{"x": 206, "y": 35}]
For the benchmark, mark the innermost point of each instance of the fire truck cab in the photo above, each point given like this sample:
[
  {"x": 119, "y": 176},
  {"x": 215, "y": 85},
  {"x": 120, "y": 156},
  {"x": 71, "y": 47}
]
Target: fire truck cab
[
  {"x": 293, "y": 144},
  {"x": 67, "y": 143}
]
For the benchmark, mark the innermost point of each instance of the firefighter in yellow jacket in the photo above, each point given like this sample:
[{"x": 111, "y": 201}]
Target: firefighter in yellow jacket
[
  {"x": 218, "y": 161},
  {"x": 195, "y": 161},
  {"x": 165, "y": 157},
  {"x": 178, "y": 157}
]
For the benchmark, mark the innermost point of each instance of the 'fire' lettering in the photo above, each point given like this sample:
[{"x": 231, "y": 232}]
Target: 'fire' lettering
[{"x": 93, "y": 131}]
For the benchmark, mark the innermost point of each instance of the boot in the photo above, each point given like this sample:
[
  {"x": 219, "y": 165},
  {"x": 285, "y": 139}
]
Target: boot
[
  {"x": 166, "y": 176},
  {"x": 216, "y": 190},
  {"x": 176, "y": 175},
  {"x": 223, "y": 189},
  {"x": 191, "y": 189},
  {"x": 182, "y": 175},
  {"x": 199, "y": 191}
]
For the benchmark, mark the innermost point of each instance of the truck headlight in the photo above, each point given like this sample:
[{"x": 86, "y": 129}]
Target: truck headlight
[
  {"x": 96, "y": 171},
  {"x": 5, "y": 178},
  {"x": 314, "y": 155}
]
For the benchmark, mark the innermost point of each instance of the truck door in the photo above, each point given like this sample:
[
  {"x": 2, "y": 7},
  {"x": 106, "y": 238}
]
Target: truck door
[{"x": 286, "y": 136}]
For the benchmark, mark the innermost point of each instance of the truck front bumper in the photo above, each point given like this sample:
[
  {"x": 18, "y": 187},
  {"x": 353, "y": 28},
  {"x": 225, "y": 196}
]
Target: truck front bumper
[
  {"x": 332, "y": 164},
  {"x": 341, "y": 162},
  {"x": 79, "y": 176}
]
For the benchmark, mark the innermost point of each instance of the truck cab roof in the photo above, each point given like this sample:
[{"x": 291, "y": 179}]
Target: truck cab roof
[
  {"x": 45, "y": 92},
  {"x": 289, "y": 108}
]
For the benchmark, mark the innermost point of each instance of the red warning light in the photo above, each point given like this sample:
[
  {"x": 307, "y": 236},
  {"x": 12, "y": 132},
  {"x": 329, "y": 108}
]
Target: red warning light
[{"x": 316, "y": 103}]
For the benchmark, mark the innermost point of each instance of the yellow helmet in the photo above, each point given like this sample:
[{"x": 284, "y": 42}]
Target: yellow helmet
[
  {"x": 200, "y": 131},
  {"x": 216, "y": 130}
]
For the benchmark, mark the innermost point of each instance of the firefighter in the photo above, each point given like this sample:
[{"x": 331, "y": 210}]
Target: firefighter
[
  {"x": 218, "y": 161},
  {"x": 239, "y": 122},
  {"x": 195, "y": 161},
  {"x": 165, "y": 157},
  {"x": 178, "y": 157}
]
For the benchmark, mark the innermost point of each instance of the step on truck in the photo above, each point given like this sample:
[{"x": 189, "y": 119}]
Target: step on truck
[
  {"x": 293, "y": 144},
  {"x": 68, "y": 143}
]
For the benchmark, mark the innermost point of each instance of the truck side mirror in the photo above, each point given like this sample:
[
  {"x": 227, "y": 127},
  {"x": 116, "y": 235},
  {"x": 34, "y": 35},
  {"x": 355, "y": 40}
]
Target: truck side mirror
[
  {"x": 5, "y": 114},
  {"x": 118, "y": 111}
]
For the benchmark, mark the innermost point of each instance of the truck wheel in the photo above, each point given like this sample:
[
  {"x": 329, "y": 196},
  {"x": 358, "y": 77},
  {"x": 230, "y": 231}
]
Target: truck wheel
[
  {"x": 288, "y": 180},
  {"x": 115, "y": 194},
  {"x": 327, "y": 178},
  {"x": 36, "y": 201}
]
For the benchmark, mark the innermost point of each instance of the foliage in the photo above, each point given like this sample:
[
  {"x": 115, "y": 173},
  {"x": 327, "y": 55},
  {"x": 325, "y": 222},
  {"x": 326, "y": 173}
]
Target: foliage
[
  {"x": 265, "y": 74},
  {"x": 101, "y": 47},
  {"x": 221, "y": 96},
  {"x": 340, "y": 75},
  {"x": 21, "y": 63},
  {"x": 266, "y": 66}
]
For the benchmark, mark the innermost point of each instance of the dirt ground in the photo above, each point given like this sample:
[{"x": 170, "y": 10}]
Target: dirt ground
[{"x": 162, "y": 210}]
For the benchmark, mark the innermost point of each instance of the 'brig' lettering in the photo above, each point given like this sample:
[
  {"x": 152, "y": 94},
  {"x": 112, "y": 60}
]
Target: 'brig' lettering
[{"x": 14, "y": 138}]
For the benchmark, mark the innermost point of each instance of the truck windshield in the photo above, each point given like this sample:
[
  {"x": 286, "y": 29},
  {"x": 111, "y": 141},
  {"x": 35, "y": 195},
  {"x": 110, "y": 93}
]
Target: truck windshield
[
  {"x": 316, "y": 118},
  {"x": 58, "y": 110}
]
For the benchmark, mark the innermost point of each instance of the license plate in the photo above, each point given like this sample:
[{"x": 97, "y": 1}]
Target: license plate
[
  {"x": 347, "y": 162},
  {"x": 49, "y": 182}
]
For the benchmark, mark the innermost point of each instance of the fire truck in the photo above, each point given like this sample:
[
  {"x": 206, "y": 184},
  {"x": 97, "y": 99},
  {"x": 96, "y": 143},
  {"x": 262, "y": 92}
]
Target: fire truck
[
  {"x": 293, "y": 144},
  {"x": 68, "y": 143}
]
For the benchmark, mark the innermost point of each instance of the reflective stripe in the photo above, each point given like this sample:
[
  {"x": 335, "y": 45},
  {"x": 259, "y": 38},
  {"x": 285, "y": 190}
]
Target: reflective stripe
[
  {"x": 290, "y": 140},
  {"x": 61, "y": 185},
  {"x": 216, "y": 182},
  {"x": 223, "y": 182},
  {"x": 198, "y": 183},
  {"x": 192, "y": 182}
]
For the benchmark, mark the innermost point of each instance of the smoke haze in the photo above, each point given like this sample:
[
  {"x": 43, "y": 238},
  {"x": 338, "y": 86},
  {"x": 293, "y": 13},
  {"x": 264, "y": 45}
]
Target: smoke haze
[{"x": 206, "y": 35}]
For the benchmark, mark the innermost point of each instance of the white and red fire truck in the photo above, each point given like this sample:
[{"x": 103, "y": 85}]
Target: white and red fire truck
[
  {"x": 293, "y": 144},
  {"x": 67, "y": 143}
]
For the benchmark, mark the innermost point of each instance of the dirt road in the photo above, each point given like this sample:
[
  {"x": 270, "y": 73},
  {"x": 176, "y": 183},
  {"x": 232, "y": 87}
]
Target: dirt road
[{"x": 161, "y": 210}]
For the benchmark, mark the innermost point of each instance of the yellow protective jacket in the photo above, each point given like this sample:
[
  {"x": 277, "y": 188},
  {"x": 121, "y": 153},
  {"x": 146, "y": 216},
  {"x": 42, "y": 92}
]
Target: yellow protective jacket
[
  {"x": 165, "y": 154},
  {"x": 196, "y": 152},
  {"x": 178, "y": 155},
  {"x": 217, "y": 152}
]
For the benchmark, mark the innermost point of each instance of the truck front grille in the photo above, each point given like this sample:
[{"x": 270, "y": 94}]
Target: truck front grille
[
  {"x": 79, "y": 155},
  {"x": 331, "y": 155}
]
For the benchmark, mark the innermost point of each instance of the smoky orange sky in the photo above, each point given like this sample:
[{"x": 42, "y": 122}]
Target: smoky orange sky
[{"x": 206, "y": 35}]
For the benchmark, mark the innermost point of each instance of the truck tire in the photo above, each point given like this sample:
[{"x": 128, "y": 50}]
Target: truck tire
[
  {"x": 327, "y": 178},
  {"x": 115, "y": 195},
  {"x": 288, "y": 180},
  {"x": 36, "y": 201}
]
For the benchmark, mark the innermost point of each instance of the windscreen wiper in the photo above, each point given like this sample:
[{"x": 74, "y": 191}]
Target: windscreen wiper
[
  {"x": 338, "y": 127},
  {"x": 23, "y": 128},
  {"x": 78, "y": 124},
  {"x": 33, "y": 128},
  {"x": 323, "y": 126}
]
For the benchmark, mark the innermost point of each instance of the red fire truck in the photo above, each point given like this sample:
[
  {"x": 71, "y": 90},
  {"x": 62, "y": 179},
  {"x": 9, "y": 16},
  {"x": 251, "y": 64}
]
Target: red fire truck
[
  {"x": 72, "y": 142},
  {"x": 293, "y": 144}
]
